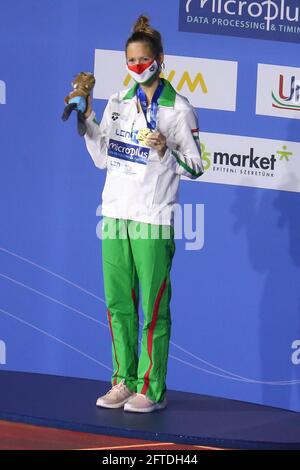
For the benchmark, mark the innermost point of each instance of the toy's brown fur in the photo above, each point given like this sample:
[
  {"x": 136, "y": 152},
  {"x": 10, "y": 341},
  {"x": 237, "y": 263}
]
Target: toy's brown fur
[{"x": 82, "y": 84}]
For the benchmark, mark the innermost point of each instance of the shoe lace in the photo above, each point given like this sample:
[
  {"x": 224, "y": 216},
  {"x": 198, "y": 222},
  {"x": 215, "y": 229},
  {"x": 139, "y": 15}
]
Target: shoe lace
[
  {"x": 119, "y": 387},
  {"x": 145, "y": 397}
]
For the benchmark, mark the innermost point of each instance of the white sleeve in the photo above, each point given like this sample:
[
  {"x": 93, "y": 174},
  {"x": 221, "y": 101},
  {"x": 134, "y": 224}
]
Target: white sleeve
[
  {"x": 95, "y": 137},
  {"x": 185, "y": 157}
]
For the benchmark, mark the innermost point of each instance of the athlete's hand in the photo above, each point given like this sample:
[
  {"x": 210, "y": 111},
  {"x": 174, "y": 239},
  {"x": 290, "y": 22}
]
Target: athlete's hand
[
  {"x": 89, "y": 107},
  {"x": 158, "y": 142}
]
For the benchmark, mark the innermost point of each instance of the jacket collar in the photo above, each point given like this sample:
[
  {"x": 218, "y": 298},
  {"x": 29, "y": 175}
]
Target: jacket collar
[{"x": 167, "y": 97}]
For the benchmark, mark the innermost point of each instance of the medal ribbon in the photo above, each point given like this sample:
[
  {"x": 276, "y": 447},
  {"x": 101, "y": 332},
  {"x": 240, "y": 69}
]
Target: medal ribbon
[{"x": 154, "y": 105}]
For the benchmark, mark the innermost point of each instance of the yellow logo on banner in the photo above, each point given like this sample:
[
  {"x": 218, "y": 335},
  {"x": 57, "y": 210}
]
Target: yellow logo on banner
[{"x": 192, "y": 84}]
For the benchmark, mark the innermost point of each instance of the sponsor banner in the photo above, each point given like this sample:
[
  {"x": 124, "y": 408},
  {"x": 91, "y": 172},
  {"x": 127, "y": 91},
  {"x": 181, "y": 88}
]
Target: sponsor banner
[
  {"x": 277, "y": 20},
  {"x": 250, "y": 161},
  {"x": 197, "y": 79},
  {"x": 278, "y": 91}
]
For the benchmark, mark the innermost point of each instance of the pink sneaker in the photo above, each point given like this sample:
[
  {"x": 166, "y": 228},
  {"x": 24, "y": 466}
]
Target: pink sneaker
[
  {"x": 140, "y": 403},
  {"x": 116, "y": 397}
]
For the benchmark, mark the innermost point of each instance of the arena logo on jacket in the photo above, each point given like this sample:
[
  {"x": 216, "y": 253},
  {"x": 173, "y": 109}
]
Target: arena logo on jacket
[{"x": 277, "y": 20}]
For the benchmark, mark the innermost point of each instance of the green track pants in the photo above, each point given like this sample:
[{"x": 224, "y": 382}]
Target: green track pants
[{"x": 137, "y": 254}]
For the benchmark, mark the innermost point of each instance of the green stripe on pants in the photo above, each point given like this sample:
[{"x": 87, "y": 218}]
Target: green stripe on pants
[{"x": 137, "y": 254}]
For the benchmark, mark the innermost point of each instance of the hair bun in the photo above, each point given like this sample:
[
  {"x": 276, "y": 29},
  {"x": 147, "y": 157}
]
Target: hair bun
[
  {"x": 142, "y": 25},
  {"x": 143, "y": 32}
]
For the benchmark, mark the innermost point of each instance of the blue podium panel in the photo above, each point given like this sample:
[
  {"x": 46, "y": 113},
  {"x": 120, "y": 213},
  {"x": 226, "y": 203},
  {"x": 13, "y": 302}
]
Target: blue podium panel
[{"x": 69, "y": 403}]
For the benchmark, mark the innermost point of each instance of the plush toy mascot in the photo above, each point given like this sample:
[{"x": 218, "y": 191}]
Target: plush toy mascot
[{"x": 77, "y": 100}]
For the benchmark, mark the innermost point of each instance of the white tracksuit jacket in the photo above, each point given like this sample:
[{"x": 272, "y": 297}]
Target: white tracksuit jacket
[{"x": 139, "y": 184}]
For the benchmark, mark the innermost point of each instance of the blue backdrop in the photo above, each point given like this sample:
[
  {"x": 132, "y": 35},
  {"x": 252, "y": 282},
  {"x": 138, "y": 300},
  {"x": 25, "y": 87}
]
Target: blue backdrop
[{"x": 235, "y": 302}]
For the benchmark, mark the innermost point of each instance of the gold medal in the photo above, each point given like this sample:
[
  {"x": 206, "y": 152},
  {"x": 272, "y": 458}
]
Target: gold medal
[{"x": 143, "y": 134}]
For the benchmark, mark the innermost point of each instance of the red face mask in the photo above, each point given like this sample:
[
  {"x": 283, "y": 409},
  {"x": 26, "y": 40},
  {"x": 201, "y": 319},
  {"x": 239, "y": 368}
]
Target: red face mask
[{"x": 141, "y": 73}]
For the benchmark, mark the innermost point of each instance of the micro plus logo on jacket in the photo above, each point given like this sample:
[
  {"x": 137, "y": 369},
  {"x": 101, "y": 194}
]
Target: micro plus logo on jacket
[
  {"x": 277, "y": 20},
  {"x": 2, "y": 92},
  {"x": 126, "y": 151}
]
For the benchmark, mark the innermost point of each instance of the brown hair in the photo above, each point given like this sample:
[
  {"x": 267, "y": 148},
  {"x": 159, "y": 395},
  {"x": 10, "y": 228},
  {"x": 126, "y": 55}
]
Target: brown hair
[{"x": 142, "y": 32}]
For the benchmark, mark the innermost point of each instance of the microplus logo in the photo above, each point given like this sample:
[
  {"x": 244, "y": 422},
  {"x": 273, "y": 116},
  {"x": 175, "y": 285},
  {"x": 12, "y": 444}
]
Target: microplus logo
[
  {"x": 129, "y": 152},
  {"x": 2, "y": 353},
  {"x": 277, "y": 20},
  {"x": 2, "y": 92}
]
